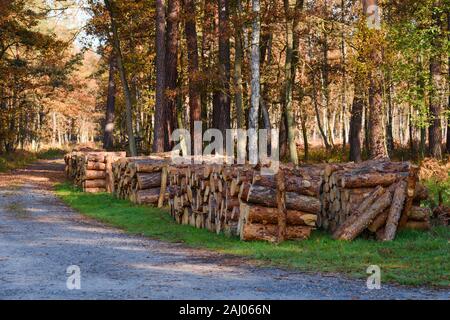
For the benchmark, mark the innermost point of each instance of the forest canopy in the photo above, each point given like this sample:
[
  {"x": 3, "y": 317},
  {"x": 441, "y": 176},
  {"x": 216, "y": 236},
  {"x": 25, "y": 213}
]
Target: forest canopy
[{"x": 369, "y": 78}]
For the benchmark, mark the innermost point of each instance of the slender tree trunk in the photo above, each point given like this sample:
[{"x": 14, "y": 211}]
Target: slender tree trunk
[
  {"x": 344, "y": 80},
  {"x": 221, "y": 109},
  {"x": 356, "y": 123},
  {"x": 291, "y": 11},
  {"x": 171, "y": 80},
  {"x": 389, "y": 126},
  {"x": 108, "y": 138},
  {"x": 238, "y": 59},
  {"x": 448, "y": 84},
  {"x": 158, "y": 138},
  {"x": 315, "y": 102},
  {"x": 123, "y": 76},
  {"x": 435, "y": 131},
  {"x": 195, "y": 108},
  {"x": 255, "y": 83},
  {"x": 376, "y": 139}
]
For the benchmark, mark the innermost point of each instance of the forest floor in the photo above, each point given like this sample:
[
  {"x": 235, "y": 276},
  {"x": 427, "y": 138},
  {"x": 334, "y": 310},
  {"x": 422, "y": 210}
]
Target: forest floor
[{"x": 40, "y": 237}]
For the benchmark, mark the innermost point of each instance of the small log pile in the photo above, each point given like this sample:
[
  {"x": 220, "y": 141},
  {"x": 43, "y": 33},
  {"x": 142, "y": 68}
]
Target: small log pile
[
  {"x": 238, "y": 200},
  {"x": 200, "y": 195},
  {"x": 279, "y": 207},
  {"x": 141, "y": 179},
  {"x": 92, "y": 170},
  {"x": 375, "y": 197}
]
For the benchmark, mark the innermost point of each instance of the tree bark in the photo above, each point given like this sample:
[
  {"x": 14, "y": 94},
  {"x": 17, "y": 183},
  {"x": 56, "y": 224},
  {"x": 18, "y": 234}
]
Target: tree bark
[
  {"x": 222, "y": 104},
  {"x": 238, "y": 59},
  {"x": 435, "y": 133},
  {"x": 291, "y": 10},
  {"x": 108, "y": 138},
  {"x": 195, "y": 108},
  {"x": 377, "y": 147},
  {"x": 448, "y": 83},
  {"x": 123, "y": 76},
  {"x": 255, "y": 82},
  {"x": 171, "y": 70},
  {"x": 356, "y": 123},
  {"x": 158, "y": 139}
]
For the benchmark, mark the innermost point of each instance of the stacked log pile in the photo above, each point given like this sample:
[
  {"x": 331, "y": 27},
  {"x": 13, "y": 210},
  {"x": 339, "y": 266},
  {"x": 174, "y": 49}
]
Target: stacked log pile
[
  {"x": 376, "y": 197},
  {"x": 238, "y": 200},
  {"x": 282, "y": 206},
  {"x": 200, "y": 195},
  {"x": 141, "y": 179},
  {"x": 92, "y": 171}
]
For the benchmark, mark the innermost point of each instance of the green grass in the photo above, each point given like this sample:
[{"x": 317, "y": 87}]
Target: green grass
[
  {"x": 414, "y": 258},
  {"x": 22, "y": 158}
]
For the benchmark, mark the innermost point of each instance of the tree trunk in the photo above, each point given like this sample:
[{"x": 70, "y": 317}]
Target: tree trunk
[
  {"x": 108, "y": 138},
  {"x": 255, "y": 83},
  {"x": 123, "y": 76},
  {"x": 221, "y": 108},
  {"x": 195, "y": 108},
  {"x": 290, "y": 9},
  {"x": 435, "y": 133},
  {"x": 448, "y": 83},
  {"x": 171, "y": 70},
  {"x": 356, "y": 123},
  {"x": 377, "y": 147},
  {"x": 238, "y": 59},
  {"x": 158, "y": 139}
]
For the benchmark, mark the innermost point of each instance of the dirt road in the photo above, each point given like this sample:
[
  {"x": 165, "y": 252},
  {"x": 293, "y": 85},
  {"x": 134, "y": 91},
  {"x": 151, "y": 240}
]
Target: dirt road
[{"x": 40, "y": 238}]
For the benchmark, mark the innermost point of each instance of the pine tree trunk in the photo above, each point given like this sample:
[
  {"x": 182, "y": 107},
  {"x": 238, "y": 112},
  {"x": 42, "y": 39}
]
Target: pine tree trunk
[
  {"x": 158, "y": 139},
  {"x": 171, "y": 80},
  {"x": 195, "y": 108},
  {"x": 255, "y": 83},
  {"x": 123, "y": 77},
  {"x": 222, "y": 103},
  {"x": 289, "y": 9},
  {"x": 238, "y": 59},
  {"x": 377, "y": 147},
  {"x": 435, "y": 133},
  {"x": 108, "y": 138},
  {"x": 356, "y": 123}
]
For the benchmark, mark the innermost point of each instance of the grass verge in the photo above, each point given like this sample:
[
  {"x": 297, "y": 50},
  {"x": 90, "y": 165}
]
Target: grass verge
[{"x": 414, "y": 258}]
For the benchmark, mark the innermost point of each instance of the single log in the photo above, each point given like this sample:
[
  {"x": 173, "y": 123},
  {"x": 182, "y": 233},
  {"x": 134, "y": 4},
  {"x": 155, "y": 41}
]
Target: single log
[
  {"x": 266, "y": 215},
  {"x": 281, "y": 205},
  {"x": 147, "y": 196},
  {"x": 300, "y": 202},
  {"x": 100, "y": 157},
  {"x": 148, "y": 180},
  {"x": 300, "y": 185},
  {"x": 162, "y": 192},
  {"x": 379, "y": 221},
  {"x": 267, "y": 197},
  {"x": 370, "y": 179},
  {"x": 365, "y": 218},
  {"x": 410, "y": 191},
  {"x": 91, "y": 165},
  {"x": 419, "y": 213},
  {"x": 395, "y": 211},
  {"x": 98, "y": 183},
  {"x": 94, "y": 174},
  {"x": 269, "y": 232}
]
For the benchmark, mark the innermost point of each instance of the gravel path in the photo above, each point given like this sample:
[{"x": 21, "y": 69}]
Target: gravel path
[{"x": 40, "y": 238}]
